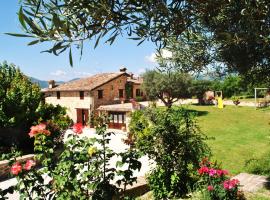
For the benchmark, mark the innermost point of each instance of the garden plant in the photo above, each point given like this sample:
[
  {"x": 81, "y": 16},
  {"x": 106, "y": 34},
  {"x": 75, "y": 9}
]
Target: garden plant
[
  {"x": 172, "y": 139},
  {"x": 215, "y": 183},
  {"x": 80, "y": 168}
]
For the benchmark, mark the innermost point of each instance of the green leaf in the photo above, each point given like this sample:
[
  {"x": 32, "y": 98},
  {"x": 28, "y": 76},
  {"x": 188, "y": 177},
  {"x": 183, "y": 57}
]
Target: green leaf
[
  {"x": 70, "y": 58},
  {"x": 18, "y": 35},
  {"x": 33, "y": 42},
  {"x": 140, "y": 42},
  {"x": 97, "y": 41},
  {"x": 21, "y": 18}
]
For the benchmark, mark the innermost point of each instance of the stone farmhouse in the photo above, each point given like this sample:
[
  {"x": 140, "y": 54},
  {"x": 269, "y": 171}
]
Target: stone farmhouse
[{"x": 104, "y": 92}]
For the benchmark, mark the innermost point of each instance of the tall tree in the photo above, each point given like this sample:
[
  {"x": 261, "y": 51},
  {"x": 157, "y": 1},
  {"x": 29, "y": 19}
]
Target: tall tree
[
  {"x": 167, "y": 86},
  {"x": 19, "y": 98}
]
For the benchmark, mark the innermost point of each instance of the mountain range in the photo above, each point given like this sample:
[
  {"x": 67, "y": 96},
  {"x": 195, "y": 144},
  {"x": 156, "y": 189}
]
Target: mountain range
[{"x": 44, "y": 84}]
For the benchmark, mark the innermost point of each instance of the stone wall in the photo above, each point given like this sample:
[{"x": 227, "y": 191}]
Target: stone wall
[
  {"x": 135, "y": 87},
  {"x": 71, "y": 100},
  {"x": 110, "y": 92},
  {"x": 5, "y": 168}
]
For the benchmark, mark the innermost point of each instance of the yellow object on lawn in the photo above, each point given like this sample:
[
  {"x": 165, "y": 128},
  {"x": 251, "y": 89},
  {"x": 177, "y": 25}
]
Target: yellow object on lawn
[{"x": 220, "y": 102}]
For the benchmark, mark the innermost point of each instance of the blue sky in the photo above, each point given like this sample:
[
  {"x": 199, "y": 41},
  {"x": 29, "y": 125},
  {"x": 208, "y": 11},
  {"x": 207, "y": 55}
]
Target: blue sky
[{"x": 46, "y": 66}]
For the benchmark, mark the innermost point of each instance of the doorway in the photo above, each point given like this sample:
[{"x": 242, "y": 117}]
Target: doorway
[{"x": 82, "y": 116}]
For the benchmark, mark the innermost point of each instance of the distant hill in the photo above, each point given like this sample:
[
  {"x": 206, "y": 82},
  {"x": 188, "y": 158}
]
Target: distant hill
[
  {"x": 44, "y": 84},
  {"x": 74, "y": 79}
]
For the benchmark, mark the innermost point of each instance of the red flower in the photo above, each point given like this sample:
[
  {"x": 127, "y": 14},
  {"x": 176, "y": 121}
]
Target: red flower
[
  {"x": 221, "y": 172},
  {"x": 29, "y": 164},
  {"x": 225, "y": 172},
  {"x": 16, "y": 168},
  {"x": 210, "y": 188},
  {"x": 78, "y": 128},
  {"x": 39, "y": 129},
  {"x": 203, "y": 170}
]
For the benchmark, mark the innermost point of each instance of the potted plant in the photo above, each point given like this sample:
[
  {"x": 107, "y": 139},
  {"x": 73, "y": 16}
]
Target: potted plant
[{"x": 236, "y": 100}]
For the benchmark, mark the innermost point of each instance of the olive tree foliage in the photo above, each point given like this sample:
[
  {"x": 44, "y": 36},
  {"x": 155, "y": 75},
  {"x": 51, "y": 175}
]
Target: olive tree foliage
[
  {"x": 19, "y": 98},
  {"x": 191, "y": 53},
  {"x": 239, "y": 30},
  {"x": 168, "y": 86},
  {"x": 67, "y": 22}
]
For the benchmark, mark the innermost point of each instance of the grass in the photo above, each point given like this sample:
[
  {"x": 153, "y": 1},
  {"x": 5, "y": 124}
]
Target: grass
[{"x": 241, "y": 133}]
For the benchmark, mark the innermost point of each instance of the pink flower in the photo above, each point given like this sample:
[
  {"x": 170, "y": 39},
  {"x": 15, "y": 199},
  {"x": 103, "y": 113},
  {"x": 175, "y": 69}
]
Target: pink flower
[
  {"x": 29, "y": 164},
  {"x": 77, "y": 128},
  {"x": 230, "y": 184},
  {"x": 39, "y": 129},
  {"x": 203, "y": 170},
  {"x": 210, "y": 188},
  {"x": 212, "y": 172},
  {"x": 16, "y": 168}
]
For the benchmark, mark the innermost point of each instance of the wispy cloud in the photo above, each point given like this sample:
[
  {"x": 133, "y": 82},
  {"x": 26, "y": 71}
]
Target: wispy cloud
[
  {"x": 58, "y": 73},
  {"x": 82, "y": 74},
  {"x": 152, "y": 58}
]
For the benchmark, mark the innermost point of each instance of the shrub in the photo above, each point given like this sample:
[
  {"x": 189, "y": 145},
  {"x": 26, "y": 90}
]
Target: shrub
[
  {"x": 260, "y": 166},
  {"x": 172, "y": 139},
  {"x": 57, "y": 114}
]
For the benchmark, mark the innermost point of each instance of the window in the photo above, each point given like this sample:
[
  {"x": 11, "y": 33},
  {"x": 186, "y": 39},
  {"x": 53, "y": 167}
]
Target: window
[
  {"x": 111, "y": 87},
  {"x": 138, "y": 92},
  {"x": 81, "y": 95},
  {"x": 58, "y": 94},
  {"x": 121, "y": 93},
  {"x": 100, "y": 94}
]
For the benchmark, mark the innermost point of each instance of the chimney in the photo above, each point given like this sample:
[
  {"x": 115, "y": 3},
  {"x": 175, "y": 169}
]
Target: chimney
[
  {"x": 123, "y": 69},
  {"x": 51, "y": 84},
  {"x": 131, "y": 75}
]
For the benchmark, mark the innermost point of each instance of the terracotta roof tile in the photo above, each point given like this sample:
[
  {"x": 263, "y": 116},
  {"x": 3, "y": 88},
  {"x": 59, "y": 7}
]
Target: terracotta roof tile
[{"x": 88, "y": 83}]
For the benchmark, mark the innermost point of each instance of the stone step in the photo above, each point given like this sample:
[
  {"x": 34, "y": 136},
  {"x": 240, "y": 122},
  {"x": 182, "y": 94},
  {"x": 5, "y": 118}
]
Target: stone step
[{"x": 251, "y": 182}]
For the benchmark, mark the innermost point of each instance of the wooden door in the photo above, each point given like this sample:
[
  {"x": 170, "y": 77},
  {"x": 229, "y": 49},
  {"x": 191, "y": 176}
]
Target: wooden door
[
  {"x": 82, "y": 116},
  {"x": 79, "y": 116}
]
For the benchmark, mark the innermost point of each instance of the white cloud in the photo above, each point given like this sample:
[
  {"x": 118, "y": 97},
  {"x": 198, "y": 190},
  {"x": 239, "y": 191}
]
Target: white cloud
[
  {"x": 82, "y": 74},
  {"x": 153, "y": 57},
  {"x": 166, "y": 54},
  {"x": 58, "y": 73}
]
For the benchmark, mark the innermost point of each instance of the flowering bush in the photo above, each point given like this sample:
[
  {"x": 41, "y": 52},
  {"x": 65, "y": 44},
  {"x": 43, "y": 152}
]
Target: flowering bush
[
  {"x": 80, "y": 169},
  {"x": 216, "y": 183}
]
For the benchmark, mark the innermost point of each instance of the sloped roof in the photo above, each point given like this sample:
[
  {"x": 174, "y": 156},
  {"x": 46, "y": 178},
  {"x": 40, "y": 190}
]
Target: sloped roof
[
  {"x": 88, "y": 83},
  {"x": 135, "y": 80}
]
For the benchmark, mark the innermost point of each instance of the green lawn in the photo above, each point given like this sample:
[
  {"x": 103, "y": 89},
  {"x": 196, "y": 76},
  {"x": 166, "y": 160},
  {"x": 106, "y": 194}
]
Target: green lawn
[{"x": 241, "y": 133}]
